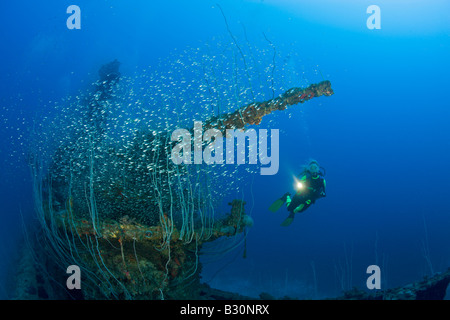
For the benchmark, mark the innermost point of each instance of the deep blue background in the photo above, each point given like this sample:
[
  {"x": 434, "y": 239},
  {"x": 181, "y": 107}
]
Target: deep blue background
[{"x": 383, "y": 137}]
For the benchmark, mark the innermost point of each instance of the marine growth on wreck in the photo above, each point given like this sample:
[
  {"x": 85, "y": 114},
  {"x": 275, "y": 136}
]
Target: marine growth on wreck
[{"x": 112, "y": 202}]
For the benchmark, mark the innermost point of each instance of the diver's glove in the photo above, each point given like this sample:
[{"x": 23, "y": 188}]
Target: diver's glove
[{"x": 284, "y": 197}]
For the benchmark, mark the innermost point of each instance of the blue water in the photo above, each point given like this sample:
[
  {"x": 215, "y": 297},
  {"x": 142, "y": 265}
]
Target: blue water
[{"x": 383, "y": 137}]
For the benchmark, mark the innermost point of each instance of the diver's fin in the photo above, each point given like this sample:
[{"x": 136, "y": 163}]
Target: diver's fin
[
  {"x": 276, "y": 205},
  {"x": 288, "y": 221}
]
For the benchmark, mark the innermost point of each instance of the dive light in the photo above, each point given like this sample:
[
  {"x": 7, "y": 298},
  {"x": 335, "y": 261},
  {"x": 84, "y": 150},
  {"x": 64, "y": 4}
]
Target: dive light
[{"x": 298, "y": 185}]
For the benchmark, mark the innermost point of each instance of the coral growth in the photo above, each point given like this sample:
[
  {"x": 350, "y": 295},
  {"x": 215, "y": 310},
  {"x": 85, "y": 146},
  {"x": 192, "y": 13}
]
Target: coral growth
[{"x": 132, "y": 261}]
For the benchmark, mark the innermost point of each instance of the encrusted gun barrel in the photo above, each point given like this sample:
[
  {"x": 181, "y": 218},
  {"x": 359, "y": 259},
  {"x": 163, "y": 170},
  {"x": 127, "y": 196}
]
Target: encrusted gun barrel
[{"x": 253, "y": 113}]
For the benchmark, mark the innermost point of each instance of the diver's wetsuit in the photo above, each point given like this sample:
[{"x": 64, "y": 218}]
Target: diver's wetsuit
[{"x": 314, "y": 188}]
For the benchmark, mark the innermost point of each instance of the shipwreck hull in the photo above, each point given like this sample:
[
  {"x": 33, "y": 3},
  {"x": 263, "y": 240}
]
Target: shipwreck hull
[{"x": 129, "y": 218}]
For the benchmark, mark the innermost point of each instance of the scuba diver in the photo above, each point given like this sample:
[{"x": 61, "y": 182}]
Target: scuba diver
[{"x": 310, "y": 185}]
